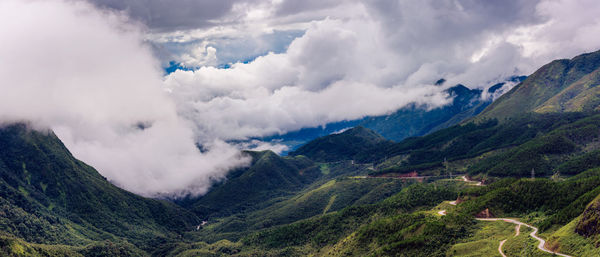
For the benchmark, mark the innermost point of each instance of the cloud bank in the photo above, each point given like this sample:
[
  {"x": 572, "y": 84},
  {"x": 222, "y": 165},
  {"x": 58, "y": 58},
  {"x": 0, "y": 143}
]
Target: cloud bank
[
  {"x": 87, "y": 75},
  {"x": 359, "y": 58}
]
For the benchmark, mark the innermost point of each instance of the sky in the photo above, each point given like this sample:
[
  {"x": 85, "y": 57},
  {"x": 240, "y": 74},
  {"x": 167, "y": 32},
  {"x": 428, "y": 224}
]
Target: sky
[{"x": 93, "y": 71}]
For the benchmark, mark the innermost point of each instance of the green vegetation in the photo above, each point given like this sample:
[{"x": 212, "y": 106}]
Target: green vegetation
[
  {"x": 567, "y": 241},
  {"x": 562, "y": 85},
  {"x": 547, "y": 143},
  {"x": 320, "y": 200},
  {"x": 548, "y": 152},
  {"x": 387, "y": 224},
  {"x": 583, "y": 162},
  {"x": 561, "y": 201},
  {"x": 581, "y": 95},
  {"x": 485, "y": 241},
  {"x": 269, "y": 176},
  {"x": 331, "y": 196},
  {"x": 589, "y": 221},
  {"x": 49, "y": 197},
  {"x": 418, "y": 120},
  {"x": 14, "y": 247},
  {"x": 343, "y": 146},
  {"x": 523, "y": 245}
]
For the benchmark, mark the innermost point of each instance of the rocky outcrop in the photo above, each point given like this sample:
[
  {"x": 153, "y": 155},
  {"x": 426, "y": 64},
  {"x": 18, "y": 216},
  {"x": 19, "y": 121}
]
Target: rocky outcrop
[
  {"x": 485, "y": 214},
  {"x": 589, "y": 225}
]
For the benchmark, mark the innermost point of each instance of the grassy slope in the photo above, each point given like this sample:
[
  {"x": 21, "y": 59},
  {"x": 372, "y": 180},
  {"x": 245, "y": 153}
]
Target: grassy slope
[
  {"x": 547, "y": 82},
  {"x": 484, "y": 242},
  {"x": 330, "y": 192},
  {"x": 523, "y": 245},
  {"x": 555, "y": 207},
  {"x": 580, "y": 96},
  {"x": 373, "y": 224},
  {"x": 567, "y": 241},
  {"x": 326, "y": 231}
]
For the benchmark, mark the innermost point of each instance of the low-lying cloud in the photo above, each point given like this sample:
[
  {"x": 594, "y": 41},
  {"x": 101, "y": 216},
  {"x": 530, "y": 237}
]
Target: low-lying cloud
[
  {"x": 372, "y": 57},
  {"x": 336, "y": 71},
  {"x": 87, "y": 75}
]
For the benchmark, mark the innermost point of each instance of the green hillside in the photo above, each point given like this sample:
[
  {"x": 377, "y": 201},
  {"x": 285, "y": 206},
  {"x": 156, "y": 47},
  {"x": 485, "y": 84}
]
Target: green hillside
[
  {"x": 388, "y": 224},
  {"x": 548, "y": 143},
  {"x": 562, "y": 85},
  {"x": 342, "y": 146},
  {"x": 49, "y": 197},
  {"x": 580, "y": 96},
  {"x": 268, "y": 177}
]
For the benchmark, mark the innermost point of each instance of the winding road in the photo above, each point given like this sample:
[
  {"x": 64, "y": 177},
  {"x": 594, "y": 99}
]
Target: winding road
[
  {"x": 532, "y": 234},
  {"x": 500, "y": 248}
]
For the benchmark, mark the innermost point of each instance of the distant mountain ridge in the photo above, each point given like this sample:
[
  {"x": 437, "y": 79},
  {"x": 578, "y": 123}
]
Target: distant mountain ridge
[
  {"x": 412, "y": 120},
  {"x": 542, "y": 124}
]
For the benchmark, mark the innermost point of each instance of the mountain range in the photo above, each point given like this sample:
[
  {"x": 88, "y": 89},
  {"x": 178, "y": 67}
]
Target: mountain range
[
  {"x": 409, "y": 121},
  {"x": 411, "y": 183}
]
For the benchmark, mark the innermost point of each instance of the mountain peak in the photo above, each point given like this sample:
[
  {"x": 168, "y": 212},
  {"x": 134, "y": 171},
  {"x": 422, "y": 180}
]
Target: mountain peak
[{"x": 561, "y": 85}]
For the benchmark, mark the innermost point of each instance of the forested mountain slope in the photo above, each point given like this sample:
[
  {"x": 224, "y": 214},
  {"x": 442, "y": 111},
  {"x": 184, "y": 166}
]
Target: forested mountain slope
[
  {"x": 342, "y": 146},
  {"x": 269, "y": 176},
  {"x": 47, "y": 196}
]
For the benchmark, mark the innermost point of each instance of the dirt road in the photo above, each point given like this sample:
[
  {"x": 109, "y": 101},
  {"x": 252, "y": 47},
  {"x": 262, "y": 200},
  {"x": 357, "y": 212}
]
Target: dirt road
[{"x": 533, "y": 234}]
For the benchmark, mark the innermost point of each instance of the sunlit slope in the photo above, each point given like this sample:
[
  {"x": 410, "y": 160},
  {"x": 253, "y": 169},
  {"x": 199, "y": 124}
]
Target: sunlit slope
[{"x": 562, "y": 85}]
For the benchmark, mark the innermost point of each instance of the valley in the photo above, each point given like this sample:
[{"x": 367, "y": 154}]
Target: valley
[{"x": 521, "y": 178}]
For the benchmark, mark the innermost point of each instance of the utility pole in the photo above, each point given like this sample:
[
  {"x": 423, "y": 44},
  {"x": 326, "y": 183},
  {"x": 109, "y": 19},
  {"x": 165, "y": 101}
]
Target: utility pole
[{"x": 448, "y": 171}]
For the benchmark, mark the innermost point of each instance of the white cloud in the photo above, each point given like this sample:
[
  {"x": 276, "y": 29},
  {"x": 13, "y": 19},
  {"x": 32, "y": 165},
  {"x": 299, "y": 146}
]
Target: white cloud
[
  {"x": 361, "y": 58},
  {"x": 571, "y": 27},
  {"x": 87, "y": 75},
  {"x": 199, "y": 55},
  {"x": 258, "y": 145}
]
